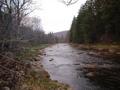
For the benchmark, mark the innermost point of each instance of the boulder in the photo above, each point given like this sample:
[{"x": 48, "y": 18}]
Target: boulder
[
  {"x": 6, "y": 88},
  {"x": 51, "y": 59},
  {"x": 36, "y": 59},
  {"x": 90, "y": 74}
]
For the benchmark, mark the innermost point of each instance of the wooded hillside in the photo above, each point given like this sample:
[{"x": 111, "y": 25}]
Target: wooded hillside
[{"x": 97, "y": 21}]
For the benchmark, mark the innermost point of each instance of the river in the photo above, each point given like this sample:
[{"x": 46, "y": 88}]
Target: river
[{"x": 74, "y": 67}]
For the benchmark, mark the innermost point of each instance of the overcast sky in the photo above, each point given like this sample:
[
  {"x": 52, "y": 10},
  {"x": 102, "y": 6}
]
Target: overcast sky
[{"x": 55, "y": 16}]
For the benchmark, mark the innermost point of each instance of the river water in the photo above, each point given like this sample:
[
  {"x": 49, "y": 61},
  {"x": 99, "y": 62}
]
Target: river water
[{"x": 74, "y": 67}]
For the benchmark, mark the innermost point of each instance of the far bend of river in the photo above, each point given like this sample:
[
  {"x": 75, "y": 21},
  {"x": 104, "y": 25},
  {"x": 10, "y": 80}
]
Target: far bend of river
[{"x": 81, "y": 71}]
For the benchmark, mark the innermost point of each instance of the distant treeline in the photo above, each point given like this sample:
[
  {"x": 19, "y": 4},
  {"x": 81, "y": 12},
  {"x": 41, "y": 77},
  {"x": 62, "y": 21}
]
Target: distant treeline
[{"x": 97, "y": 21}]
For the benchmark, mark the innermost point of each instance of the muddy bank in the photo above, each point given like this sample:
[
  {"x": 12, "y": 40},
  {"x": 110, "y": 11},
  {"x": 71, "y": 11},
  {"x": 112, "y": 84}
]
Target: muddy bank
[{"x": 100, "y": 50}]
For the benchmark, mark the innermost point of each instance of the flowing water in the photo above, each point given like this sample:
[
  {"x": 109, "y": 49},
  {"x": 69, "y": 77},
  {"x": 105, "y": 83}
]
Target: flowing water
[{"x": 81, "y": 71}]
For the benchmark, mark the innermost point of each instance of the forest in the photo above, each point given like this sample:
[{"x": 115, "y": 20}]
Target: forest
[{"x": 98, "y": 21}]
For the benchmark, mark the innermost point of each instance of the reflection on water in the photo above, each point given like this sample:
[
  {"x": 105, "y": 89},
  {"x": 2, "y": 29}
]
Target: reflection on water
[{"x": 81, "y": 71}]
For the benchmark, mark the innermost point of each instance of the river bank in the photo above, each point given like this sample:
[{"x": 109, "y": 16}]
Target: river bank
[
  {"x": 24, "y": 71},
  {"x": 75, "y": 67},
  {"x": 100, "y": 50},
  {"x": 37, "y": 78}
]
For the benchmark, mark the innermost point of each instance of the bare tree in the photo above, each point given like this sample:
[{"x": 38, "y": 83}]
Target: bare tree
[
  {"x": 11, "y": 13},
  {"x": 69, "y": 2}
]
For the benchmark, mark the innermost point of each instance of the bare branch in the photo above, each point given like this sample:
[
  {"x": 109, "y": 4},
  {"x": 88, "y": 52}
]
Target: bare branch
[
  {"x": 69, "y": 2},
  {"x": 2, "y": 2}
]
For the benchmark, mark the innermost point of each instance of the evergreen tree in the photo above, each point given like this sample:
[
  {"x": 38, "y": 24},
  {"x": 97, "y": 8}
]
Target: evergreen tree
[{"x": 97, "y": 21}]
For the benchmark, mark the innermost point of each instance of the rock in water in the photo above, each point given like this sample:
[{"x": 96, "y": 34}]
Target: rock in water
[{"x": 51, "y": 59}]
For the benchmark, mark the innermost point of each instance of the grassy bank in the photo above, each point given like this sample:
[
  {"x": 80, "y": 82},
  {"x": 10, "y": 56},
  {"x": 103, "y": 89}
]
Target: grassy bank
[
  {"x": 103, "y": 50},
  {"x": 37, "y": 78},
  {"x": 29, "y": 52}
]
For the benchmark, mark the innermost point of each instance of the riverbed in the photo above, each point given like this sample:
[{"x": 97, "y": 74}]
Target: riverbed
[{"x": 77, "y": 68}]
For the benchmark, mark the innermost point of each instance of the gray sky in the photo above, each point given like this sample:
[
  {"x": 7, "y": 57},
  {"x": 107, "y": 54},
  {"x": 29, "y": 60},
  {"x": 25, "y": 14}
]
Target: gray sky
[{"x": 55, "y": 15}]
